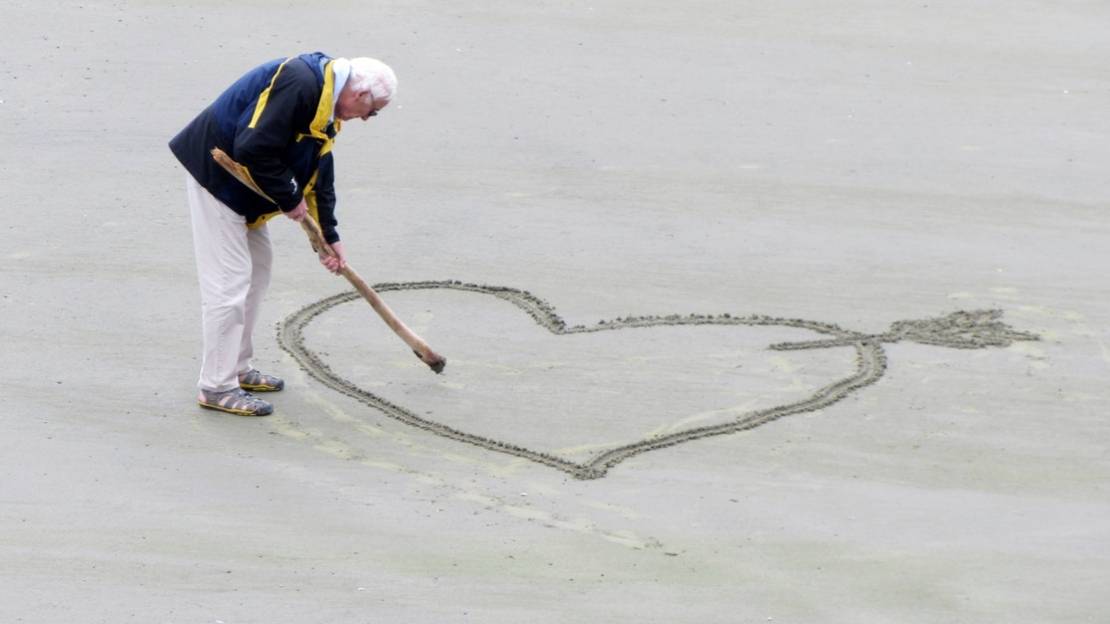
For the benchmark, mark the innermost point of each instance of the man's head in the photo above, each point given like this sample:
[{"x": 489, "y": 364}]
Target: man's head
[{"x": 370, "y": 87}]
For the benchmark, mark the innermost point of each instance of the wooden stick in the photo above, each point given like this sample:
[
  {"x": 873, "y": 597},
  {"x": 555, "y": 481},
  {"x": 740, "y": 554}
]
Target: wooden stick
[
  {"x": 435, "y": 361},
  {"x": 419, "y": 347}
]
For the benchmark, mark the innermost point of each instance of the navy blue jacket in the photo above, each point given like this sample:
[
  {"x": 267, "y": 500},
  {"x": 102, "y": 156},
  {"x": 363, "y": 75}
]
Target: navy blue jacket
[{"x": 276, "y": 122}]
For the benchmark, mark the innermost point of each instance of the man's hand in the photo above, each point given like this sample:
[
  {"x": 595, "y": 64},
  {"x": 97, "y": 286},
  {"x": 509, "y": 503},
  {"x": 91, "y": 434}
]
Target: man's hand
[
  {"x": 298, "y": 214},
  {"x": 339, "y": 262}
]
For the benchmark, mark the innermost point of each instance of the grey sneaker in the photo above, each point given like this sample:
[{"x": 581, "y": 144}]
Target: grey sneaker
[
  {"x": 235, "y": 401},
  {"x": 257, "y": 382}
]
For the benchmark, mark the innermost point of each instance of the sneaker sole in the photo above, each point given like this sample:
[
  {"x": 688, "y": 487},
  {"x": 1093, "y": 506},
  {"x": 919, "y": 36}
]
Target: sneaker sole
[
  {"x": 261, "y": 388},
  {"x": 235, "y": 411}
]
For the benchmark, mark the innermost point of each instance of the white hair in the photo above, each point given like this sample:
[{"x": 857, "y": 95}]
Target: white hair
[{"x": 374, "y": 76}]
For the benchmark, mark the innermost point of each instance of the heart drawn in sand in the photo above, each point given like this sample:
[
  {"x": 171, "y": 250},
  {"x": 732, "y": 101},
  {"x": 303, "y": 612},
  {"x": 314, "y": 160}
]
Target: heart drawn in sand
[{"x": 963, "y": 330}]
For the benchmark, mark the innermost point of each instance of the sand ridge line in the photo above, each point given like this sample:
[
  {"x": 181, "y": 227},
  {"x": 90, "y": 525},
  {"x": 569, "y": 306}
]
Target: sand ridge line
[{"x": 975, "y": 329}]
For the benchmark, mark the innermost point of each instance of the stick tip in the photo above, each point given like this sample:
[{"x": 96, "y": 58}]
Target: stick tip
[{"x": 434, "y": 361}]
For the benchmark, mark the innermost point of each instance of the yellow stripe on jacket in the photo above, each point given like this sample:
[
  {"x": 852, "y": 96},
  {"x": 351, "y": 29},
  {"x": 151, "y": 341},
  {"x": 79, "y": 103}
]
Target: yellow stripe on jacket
[{"x": 317, "y": 130}]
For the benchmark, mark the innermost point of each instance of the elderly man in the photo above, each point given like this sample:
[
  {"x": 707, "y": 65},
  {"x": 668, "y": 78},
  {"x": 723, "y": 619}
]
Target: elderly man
[{"x": 278, "y": 122}]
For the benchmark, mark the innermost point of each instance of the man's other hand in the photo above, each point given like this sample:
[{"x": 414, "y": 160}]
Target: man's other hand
[{"x": 339, "y": 262}]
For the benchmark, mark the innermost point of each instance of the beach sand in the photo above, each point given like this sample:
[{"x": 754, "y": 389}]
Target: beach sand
[{"x": 682, "y": 185}]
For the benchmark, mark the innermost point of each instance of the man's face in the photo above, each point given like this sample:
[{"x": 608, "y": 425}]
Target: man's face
[{"x": 357, "y": 104}]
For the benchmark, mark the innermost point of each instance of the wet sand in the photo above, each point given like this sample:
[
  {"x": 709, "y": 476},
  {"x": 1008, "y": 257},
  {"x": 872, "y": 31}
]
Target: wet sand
[{"x": 788, "y": 314}]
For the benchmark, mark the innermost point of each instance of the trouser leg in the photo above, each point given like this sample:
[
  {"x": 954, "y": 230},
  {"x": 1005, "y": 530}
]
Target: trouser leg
[
  {"x": 262, "y": 260},
  {"x": 224, "y": 271}
]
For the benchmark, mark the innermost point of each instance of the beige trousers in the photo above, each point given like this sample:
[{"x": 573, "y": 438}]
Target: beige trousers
[{"x": 233, "y": 267}]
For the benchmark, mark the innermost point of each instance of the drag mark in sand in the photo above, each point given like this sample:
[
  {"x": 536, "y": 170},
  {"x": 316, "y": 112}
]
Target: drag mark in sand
[{"x": 976, "y": 329}]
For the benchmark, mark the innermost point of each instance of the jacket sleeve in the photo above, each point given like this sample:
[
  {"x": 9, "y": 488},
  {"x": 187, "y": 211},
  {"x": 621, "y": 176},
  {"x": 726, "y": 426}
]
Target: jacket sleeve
[
  {"x": 325, "y": 198},
  {"x": 264, "y": 133}
]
